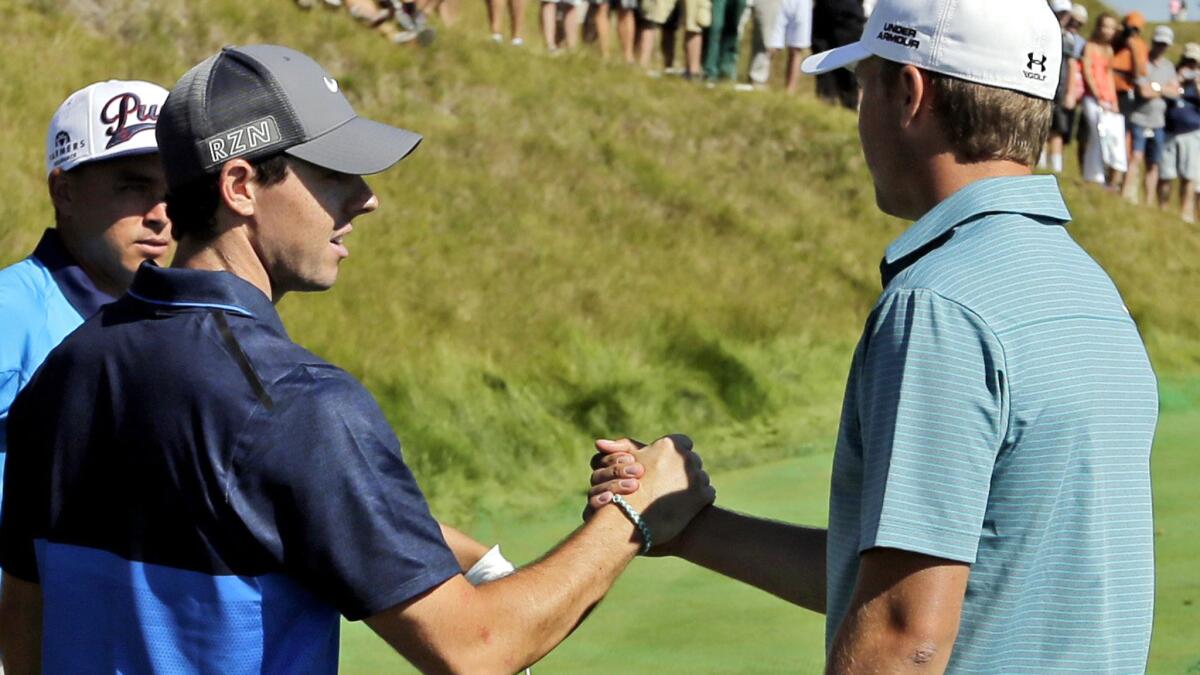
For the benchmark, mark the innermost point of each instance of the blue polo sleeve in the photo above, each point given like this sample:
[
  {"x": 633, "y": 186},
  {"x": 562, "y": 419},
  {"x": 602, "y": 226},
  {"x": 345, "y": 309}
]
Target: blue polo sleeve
[
  {"x": 25, "y": 488},
  {"x": 933, "y": 408},
  {"x": 321, "y": 483}
]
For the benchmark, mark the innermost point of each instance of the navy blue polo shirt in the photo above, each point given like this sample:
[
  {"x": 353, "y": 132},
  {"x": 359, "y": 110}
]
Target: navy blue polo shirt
[{"x": 195, "y": 491}]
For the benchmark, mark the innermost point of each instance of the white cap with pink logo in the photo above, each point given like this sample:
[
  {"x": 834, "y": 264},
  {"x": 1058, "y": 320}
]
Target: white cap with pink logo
[{"x": 103, "y": 121}]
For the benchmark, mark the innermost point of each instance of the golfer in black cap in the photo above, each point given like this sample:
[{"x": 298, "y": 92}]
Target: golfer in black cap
[{"x": 189, "y": 490}]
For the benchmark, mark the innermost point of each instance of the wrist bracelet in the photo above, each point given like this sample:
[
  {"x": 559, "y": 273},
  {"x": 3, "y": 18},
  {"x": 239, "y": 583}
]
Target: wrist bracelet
[{"x": 642, "y": 528}]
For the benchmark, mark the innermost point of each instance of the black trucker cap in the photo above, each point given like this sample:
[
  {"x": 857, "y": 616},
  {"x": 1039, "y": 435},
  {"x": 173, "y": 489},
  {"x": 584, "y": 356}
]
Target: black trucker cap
[{"x": 260, "y": 100}]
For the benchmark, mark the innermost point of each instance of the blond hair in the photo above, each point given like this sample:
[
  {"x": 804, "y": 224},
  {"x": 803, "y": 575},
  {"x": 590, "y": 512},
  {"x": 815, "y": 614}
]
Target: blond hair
[{"x": 984, "y": 123}]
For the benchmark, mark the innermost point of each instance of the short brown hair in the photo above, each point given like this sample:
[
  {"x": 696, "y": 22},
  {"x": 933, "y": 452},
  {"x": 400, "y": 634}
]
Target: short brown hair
[
  {"x": 192, "y": 208},
  {"x": 984, "y": 123}
]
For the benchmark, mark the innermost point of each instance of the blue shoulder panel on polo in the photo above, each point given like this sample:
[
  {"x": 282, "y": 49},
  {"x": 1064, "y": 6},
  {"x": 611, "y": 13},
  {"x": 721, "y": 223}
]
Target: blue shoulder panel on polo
[
  {"x": 224, "y": 491},
  {"x": 999, "y": 413},
  {"x": 42, "y": 299}
]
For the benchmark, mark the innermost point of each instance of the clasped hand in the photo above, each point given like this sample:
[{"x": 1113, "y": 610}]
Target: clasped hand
[{"x": 665, "y": 481}]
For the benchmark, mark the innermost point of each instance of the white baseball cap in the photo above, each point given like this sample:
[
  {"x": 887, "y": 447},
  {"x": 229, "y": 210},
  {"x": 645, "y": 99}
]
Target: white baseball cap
[
  {"x": 1060, "y": 6},
  {"x": 1163, "y": 35},
  {"x": 1016, "y": 44},
  {"x": 102, "y": 121},
  {"x": 1079, "y": 13}
]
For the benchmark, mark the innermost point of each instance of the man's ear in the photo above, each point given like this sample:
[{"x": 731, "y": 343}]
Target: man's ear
[
  {"x": 914, "y": 90},
  {"x": 237, "y": 188},
  {"x": 59, "y": 186}
]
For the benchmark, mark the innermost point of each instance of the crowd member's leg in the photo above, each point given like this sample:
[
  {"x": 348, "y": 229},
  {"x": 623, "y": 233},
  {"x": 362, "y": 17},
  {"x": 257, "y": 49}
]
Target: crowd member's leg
[
  {"x": 1154, "y": 151},
  {"x": 574, "y": 12},
  {"x": 549, "y": 20},
  {"x": 1187, "y": 163},
  {"x": 516, "y": 18},
  {"x": 494, "y": 9},
  {"x": 647, "y": 38},
  {"x": 711, "y": 45},
  {"x": 598, "y": 11},
  {"x": 447, "y": 11},
  {"x": 795, "y": 58},
  {"x": 1061, "y": 122},
  {"x": 1189, "y": 172},
  {"x": 655, "y": 13},
  {"x": 765, "y": 15},
  {"x": 731, "y": 39},
  {"x": 1081, "y": 140},
  {"x": 1092, "y": 160},
  {"x": 835, "y": 24},
  {"x": 795, "y": 19},
  {"x": 1168, "y": 171},
  {"x": 1131, "y": 179},
  {"x": 626, "y": 27},
  {"x": 697, "y": 17},
  {"x": 670, "y": 39}
]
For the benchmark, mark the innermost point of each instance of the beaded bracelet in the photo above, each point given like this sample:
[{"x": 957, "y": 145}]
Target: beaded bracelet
[{"x": 642, "y": 528}]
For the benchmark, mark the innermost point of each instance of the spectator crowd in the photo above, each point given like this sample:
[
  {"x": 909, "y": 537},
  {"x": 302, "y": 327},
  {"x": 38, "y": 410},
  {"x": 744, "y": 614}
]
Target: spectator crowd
[
  {"x": 713, "y": 31},
  {"x": 1133, "y": 114}
]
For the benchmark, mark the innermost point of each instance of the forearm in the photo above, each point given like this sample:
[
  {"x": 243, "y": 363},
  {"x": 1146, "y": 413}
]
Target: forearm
[
  {"x": 20, "y": 626},
  {"x": 507, "y": 624},
  {"x": 903, "y": 617},
  {"x": 785, "y": 560},
  {"x": 873, "y": 643},
  {"x": 540, "y": 605},
  {"x": 886, "y": 651}
]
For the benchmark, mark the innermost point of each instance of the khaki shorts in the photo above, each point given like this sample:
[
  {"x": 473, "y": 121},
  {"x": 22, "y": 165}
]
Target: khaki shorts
[
  {"x": 1181, "y": 157},
  {"x": 697, "y": 14}
]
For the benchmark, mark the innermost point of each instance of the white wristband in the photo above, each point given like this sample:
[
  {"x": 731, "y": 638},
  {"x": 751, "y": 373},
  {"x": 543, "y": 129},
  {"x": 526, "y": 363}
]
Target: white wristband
[{"x": 490, "y": 567}]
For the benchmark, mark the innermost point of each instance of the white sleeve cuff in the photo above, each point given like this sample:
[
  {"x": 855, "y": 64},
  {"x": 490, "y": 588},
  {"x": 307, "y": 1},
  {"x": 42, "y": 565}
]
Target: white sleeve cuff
[{"x": 490, "y": 567}]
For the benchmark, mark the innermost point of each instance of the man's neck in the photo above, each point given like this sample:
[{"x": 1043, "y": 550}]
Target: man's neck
[
  {"x": 945, "y": 176},
  {"x": 229, "y": 252},
  {"x": 104, "y": 281}
]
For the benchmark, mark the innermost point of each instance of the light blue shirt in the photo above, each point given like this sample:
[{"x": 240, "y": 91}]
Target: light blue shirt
[
  {"x": 999, "y": 412},
  {"x": 42, "y": 299}
]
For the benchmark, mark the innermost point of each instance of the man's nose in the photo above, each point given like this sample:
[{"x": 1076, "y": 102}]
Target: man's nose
[{"x": 156, "y": 218}]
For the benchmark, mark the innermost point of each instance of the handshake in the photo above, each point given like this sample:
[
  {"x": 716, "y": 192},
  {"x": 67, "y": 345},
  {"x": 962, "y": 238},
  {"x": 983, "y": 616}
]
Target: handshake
[{"x": 662, "y": 484}]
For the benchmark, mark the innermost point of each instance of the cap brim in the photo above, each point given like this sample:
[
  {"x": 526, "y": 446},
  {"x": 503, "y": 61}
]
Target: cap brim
[
  {"x": 127, "y": 152},
  {"x": 359, "y": 147},
  {"x": 843, "y": 56}
]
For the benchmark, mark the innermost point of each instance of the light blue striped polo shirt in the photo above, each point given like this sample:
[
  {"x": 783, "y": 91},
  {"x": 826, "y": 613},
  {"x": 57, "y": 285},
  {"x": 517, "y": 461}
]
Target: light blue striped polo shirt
[{"x": 999, "y": 411}]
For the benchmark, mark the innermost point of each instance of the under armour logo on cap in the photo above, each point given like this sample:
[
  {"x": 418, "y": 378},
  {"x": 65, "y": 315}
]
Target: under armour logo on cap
[{"x": 960, "y": 39}]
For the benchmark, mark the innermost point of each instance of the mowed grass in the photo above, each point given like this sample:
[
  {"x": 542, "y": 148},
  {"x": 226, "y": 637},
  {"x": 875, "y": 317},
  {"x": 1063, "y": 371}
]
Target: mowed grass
[{"x": 666, "y": 616}]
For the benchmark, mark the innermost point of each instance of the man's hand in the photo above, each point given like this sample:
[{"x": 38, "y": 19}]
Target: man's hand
[{"x": 665, "y": 481}]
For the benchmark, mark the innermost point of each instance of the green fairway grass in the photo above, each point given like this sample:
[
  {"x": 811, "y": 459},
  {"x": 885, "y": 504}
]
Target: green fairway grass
[{"x": 665, "y": 616}]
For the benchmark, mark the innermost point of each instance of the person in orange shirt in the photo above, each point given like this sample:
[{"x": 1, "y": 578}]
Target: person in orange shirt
[
  {"x": 1100, "y": 108},
  {"x": 1131, "y": 62}
]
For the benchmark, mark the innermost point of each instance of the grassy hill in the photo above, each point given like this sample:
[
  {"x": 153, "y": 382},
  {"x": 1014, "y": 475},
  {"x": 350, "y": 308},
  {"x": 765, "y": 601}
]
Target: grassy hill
[{"x": 575, "y": 250}]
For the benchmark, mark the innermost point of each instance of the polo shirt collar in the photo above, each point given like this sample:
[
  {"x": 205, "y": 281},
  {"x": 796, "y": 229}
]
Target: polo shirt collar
[
  {"x": 175, "y": 288},
  {"x": 76, "y": 286},
  {"x": 1034, "y": 196}
]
